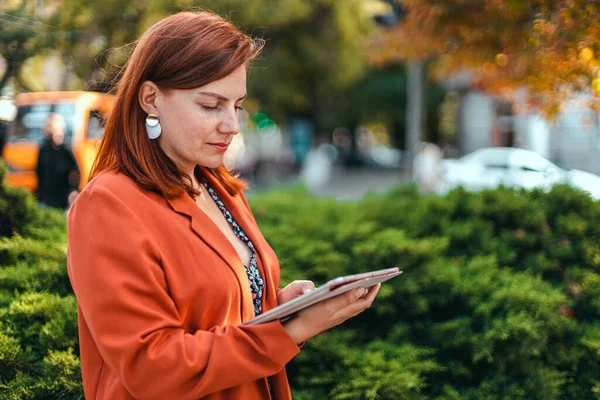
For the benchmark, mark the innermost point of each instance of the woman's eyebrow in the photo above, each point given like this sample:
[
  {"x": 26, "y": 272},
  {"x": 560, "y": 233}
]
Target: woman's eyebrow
[{"x": 219, "y": 97}]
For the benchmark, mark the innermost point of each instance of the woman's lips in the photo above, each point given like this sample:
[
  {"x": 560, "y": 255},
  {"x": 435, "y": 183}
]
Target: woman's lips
[{"x": 220, "y": 146}]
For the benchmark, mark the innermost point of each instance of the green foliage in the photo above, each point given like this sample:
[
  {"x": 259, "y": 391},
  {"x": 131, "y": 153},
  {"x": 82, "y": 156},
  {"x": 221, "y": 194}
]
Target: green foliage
[
  {"x": 315, "y": 53},
  {"x": 38, "y": 312},
  {"x": 17, "y": 36},
  {"x": 334, "y": 366},
  {"x": 500, "y": 296},
  {"x": 314, "y": 66}
]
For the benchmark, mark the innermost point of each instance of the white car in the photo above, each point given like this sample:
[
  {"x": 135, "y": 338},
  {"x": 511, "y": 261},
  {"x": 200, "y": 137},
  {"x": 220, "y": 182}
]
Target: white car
[{"x": 511, "y": 167}]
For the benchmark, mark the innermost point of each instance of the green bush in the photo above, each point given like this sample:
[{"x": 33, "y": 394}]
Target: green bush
[
  {"x": 39, "y": 356},
  {"x": 499, "y": 299},
  {"x": 500, "y": 296}
]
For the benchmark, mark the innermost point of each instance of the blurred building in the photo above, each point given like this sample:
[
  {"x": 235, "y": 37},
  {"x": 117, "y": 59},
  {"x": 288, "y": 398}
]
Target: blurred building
[{"x": 572, "y": 140}]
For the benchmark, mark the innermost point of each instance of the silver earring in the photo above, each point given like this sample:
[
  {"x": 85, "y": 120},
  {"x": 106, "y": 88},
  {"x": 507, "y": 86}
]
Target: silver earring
[{"x": 153, "y": 126}]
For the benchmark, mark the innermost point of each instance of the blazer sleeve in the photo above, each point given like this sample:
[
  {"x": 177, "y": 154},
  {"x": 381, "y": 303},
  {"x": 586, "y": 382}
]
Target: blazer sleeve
[{"x": 116, "y": 273}]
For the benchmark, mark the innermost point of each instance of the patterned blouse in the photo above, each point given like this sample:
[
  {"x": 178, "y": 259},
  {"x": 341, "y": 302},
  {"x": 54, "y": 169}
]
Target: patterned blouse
[{"x": 256, "y": 282}]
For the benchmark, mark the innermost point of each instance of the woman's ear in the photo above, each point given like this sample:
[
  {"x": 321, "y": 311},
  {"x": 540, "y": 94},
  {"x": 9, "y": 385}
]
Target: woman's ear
[{"x": 147, "y": 97}]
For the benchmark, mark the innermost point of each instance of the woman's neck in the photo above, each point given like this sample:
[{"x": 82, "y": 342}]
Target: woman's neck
[{"x": 197, "y": 178}]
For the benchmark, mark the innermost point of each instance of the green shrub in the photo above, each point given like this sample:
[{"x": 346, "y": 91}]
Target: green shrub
[
  {"x": 38, "y": 312},
  {"x": 500, "y": 296}
]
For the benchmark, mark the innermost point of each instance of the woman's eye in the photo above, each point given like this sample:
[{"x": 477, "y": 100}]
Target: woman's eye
[
  {"x": 209, "y": 107},
  {"x": 239, "y": 108}
]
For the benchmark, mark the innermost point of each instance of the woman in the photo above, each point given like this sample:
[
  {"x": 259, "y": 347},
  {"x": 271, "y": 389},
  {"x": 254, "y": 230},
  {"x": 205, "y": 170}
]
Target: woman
[{"x": 165, "y": 257}]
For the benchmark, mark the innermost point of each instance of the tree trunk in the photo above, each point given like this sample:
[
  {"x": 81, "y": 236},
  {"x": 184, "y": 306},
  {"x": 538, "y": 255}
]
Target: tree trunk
[{"x": 414, "y": 112}]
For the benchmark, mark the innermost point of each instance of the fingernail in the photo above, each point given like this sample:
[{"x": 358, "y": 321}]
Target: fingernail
[{"x": 360, "y": 293}]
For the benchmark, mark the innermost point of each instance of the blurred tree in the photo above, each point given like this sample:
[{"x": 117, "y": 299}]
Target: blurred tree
[
  {"x": 18, "y": 25},
  {"x": 315, "y": 63},
  {"x": 314, "y": 53},
  {"x": 82, "y": 31},
  {"x": 315, "y": 49},
  {"x": 93, "y": 36},
  {"x": 415, "y": 88},
  {"x": 381, "y": 96},
  {"x": 550, "y": 46}
]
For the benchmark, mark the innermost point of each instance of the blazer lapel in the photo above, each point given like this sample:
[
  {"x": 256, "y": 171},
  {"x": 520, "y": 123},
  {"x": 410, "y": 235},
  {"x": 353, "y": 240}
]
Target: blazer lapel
[
  {"x": 205, "y": 229},
  {"x": 243, "y": 217}
]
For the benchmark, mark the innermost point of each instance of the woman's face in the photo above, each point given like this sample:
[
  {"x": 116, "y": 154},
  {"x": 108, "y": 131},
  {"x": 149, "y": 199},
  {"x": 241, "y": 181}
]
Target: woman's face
[{"x": 199, "y": 124}]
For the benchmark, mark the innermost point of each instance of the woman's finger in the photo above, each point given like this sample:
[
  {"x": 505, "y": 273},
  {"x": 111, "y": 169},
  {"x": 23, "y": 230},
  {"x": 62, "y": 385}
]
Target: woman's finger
[
  {"x": 304, "y": 286},
  {"x": 358, "y": 306},
  {"x": 293, "y": 290},
  {"x": 372, "y": 293}
]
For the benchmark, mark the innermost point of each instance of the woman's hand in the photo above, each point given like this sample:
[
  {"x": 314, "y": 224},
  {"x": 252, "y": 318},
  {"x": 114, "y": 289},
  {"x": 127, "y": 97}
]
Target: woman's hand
[
  {"x": 293, "y": 290},
  {"x": 325, "y": 315}
]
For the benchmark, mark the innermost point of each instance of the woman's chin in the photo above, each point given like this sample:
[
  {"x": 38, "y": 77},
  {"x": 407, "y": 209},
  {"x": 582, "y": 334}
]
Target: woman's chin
[{"x": 212, "y": 163}]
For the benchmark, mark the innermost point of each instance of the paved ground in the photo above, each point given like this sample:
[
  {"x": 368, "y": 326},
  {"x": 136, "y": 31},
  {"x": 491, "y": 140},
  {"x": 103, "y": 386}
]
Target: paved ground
[{"x": 352, "y": 184}]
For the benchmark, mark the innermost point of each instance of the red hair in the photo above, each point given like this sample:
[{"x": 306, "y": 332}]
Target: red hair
[{"x": 183, "y": 51}]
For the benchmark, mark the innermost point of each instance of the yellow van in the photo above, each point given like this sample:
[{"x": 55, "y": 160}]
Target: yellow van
[{"x": 84, "y": 114}]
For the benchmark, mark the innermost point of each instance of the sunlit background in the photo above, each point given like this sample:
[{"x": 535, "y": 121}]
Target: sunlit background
[
  {"x": 477, "y": 120},
  {"x": 352, "y": 91}
]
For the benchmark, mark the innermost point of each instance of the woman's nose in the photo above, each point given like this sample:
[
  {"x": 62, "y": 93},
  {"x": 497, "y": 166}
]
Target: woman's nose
[{"x": 230, "y": 122}]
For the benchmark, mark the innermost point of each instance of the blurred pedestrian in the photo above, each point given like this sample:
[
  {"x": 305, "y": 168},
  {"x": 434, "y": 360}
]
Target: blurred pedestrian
[
  {"x": 4, "y": 125},
  {"x": 165, "y": 257},
  {"x": 427, "y": 165},
  {"x": 57, "y": 172},
  {"x": 318, "y": 167}
]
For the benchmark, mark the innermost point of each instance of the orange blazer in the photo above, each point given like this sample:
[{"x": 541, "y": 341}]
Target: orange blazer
[{"x": 162, "y": 294}]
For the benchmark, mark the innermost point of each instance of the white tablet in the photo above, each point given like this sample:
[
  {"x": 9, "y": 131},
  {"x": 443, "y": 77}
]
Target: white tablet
[{"x": 334, "y": 287}]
